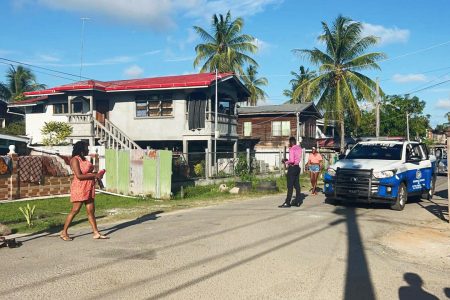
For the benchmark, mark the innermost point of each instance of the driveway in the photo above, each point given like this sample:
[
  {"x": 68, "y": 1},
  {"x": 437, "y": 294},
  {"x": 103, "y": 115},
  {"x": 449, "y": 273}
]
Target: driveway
[{"x": 245, "y": 250}]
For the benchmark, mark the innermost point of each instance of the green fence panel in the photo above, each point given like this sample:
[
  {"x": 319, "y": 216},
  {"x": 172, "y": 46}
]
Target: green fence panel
[
  {"x": 123, "y": 172},
  {"x": 149, "y": 173},
  {"x": 165, "y": 173},
  {"x": 111, "y": 169}
]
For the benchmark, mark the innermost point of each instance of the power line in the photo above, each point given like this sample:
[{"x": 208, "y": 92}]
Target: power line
[
  {"x": 41, "y": 72},
  {"x": 43, "y": 68},
  {"x": 429, "y": 87}
]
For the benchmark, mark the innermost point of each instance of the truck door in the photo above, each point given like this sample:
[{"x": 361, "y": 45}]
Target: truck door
[{"x": 418, "y": 168}]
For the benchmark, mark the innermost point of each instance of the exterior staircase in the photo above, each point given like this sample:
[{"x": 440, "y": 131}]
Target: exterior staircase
[{"x": 112, "y": 137}]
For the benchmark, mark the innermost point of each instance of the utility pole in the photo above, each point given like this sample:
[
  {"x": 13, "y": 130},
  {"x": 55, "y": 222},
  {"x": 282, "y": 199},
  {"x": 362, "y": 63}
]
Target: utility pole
[
  {"x": 216, "y": 131},
  {"x": 83, "y": 20},
  {"x": 377, "y": 111},
  {"x": 407, "y": 125}
]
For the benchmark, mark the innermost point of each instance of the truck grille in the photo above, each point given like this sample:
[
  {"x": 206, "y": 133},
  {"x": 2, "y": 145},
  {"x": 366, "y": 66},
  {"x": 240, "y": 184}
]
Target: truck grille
[{"x": 354, "y": 183}]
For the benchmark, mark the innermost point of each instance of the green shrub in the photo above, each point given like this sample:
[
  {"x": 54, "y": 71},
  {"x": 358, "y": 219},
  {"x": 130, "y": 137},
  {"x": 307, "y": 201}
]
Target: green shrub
[{"x": 55, "y": 133}]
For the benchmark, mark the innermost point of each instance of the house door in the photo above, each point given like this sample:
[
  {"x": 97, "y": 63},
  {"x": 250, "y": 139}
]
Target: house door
[{"x": 101, "y": 110}]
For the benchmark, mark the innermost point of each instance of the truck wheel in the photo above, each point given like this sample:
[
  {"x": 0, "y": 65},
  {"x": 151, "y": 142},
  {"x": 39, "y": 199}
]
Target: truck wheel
[
  {"x": 429, "y": 194},
  {"x": 402, "y": 197}
]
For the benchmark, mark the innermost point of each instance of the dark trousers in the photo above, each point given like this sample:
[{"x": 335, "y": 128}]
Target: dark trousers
[{"x": 293, "y": 174}]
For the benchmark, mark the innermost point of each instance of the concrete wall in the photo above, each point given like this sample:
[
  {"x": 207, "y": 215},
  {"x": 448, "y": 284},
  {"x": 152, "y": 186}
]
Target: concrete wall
[
  {"x": 35, "y": 121},
  {"x": 123, "y": 115}
]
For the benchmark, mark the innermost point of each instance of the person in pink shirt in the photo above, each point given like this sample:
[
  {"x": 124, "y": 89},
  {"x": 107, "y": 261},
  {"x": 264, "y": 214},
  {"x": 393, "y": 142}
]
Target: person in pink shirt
[
  {"x": 314, "y": 165},
  {"x": 293, "y": 173}
]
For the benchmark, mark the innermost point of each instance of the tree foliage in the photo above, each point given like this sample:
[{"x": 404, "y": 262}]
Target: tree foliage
[
  {"x": 14, "y": 128},
  {"x": 393, "y": 119},
  {"x": 339, "y": 81},
  {"x": 225, "y": 48},
  {"x": 55, "y": 133},
  {"x": 19, "y": 81},
  {"x": 254, "y": 84},
  {"x": 300, "y": 79}
]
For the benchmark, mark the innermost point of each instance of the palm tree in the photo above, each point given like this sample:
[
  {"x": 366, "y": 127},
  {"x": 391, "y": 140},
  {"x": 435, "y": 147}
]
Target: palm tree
[
  {"x": 225, "y": 48},
  {"x": 303, "y": 76},
  {"x": 339, "y": 80},
  {"x": 253, "y": 85},
  {"x": 19, "y": 80}
]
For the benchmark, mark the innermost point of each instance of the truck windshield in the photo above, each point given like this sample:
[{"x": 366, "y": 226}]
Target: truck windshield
[{"x": 376, "y": 151}]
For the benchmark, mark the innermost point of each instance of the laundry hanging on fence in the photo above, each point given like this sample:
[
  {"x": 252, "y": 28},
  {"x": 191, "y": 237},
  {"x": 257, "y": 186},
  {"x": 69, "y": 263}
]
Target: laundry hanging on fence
[
  {"x": 30, "y": 168},
  {"x": 53, "y": 167},
  {"x": 8, "y": 161},
  {"x": 3, "y": 167}
]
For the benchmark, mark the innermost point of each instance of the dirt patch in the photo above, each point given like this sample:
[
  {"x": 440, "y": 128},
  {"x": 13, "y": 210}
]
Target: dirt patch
[{"x": 431, "y": 244}]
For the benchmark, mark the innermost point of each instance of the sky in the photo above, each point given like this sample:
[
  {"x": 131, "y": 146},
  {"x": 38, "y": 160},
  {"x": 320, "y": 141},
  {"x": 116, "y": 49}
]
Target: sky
[{"x": 126, "y": 39}]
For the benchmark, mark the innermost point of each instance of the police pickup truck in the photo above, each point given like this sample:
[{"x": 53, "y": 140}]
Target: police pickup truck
[{"x": 382, "y": 172}]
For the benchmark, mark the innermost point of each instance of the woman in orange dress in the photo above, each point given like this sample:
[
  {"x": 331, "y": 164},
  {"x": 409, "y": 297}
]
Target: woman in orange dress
[
  {"x": 314, "y": 166},
  {"x": 82, "y": 189}
]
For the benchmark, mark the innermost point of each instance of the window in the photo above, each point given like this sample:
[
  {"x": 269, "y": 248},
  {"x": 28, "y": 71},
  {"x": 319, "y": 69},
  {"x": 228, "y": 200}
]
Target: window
[
  {"x": 60, "y": 108},
  {"x": 247, "y": 128},
  {"x": 154, "y": 106},
  {"x": 376, "y": 151},
  {"x": 77, "y": 107},
  {"x": 281, "y": 128},
  {"x": 37, "y": 109}
]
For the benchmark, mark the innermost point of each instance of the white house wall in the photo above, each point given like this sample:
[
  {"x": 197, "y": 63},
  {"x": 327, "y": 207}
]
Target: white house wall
[
  {"x": 123, "y": 115},
  {"x": 36, "y": 121}
]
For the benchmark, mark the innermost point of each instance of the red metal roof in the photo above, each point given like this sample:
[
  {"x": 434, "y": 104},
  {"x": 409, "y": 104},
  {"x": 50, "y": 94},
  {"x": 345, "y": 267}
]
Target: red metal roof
[
  {"x": 28, "y": 101},
  {"x": 192, "y": 80}
]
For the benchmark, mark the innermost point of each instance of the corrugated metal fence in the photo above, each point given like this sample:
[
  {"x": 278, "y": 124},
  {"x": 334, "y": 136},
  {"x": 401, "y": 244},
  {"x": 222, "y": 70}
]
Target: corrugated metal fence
[{"x": 139, "y": 172}]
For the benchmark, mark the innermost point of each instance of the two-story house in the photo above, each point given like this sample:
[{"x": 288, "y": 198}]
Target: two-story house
[
  {"x": 174, "y": 112},
  {"x": 270, "y": 126}
]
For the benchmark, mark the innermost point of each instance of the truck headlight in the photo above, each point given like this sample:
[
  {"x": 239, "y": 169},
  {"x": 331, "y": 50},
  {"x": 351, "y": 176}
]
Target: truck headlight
[
  {"x": 383, "y": 174},
  {"x": 331, "y": 172}
]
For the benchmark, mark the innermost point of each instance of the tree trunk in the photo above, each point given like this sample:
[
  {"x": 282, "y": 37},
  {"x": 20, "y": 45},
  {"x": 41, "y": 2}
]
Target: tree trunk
[{"x": 342, "y": 136}]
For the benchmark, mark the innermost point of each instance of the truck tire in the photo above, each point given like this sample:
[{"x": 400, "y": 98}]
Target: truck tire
[
  {"x": 429, "y": 194},
  {"x": 402, "y": 197}
]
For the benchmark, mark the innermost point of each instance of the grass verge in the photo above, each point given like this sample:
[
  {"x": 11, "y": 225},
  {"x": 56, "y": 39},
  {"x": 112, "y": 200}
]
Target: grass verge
[{"x": 50, "y": 213}]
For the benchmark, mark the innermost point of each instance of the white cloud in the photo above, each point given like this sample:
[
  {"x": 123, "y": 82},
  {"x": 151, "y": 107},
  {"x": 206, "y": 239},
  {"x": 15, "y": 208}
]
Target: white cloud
[
  {"x": 406, "y": 78},
  {"x": 177, "y": 59},
  {"x": 443, "y": 104},
  {"x": 162, "y": 14},
  {"x": 262, "y": 45},
  {"x": 134, "y": 71},
  {"x": 386, "y": 35},
  {"x": 48, "y": 58}
]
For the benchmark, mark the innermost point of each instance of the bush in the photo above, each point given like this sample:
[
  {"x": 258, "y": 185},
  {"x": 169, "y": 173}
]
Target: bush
[
  {"x": 14, "y": 128},
  {"x": 55, "y": 133},
  {"x": 199, "y": 169}
]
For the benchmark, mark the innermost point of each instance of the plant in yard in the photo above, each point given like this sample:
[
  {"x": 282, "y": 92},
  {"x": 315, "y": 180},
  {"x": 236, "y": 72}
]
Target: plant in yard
[
  {"x": 28, "y": 213},
  {"x": 339, "y": 81},
  {"x": 254, "y": 84},
  {"x": 241, "y": 168},
  {"x": 199, "y": 169},
  {"x": 225, "y": 48},
  {"x": 55, "y": 133}
]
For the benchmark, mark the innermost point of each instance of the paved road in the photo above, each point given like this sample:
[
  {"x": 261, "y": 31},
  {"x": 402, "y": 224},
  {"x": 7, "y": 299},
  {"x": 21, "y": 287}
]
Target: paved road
[{"x": 242, "y": 250}]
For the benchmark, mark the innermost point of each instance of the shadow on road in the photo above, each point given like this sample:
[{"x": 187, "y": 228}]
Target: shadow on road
[
  {"x": 414, "y": 289},
  {"x": 358, "y": 284},
  {"x": 439, "y": 210},
  {"x": 52, "y": 230},
  {"x": 148, "y": 217}
]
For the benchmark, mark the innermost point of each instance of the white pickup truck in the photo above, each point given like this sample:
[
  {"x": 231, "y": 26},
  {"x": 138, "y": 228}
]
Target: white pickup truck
[{"x": 382, "y": 172}]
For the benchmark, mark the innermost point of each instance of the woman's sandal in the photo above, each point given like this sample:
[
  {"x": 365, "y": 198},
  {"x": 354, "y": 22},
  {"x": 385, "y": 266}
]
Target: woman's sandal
[
  {"x": 101, "y": 237},
  {"x": 66, "y": 238}
]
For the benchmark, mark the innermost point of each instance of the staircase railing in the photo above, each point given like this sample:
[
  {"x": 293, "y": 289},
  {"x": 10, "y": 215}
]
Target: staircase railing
[{"x": 113, "y": 137}]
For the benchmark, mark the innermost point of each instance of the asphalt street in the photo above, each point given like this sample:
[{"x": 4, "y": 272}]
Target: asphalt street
[{"x": 247, "y": 249}]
